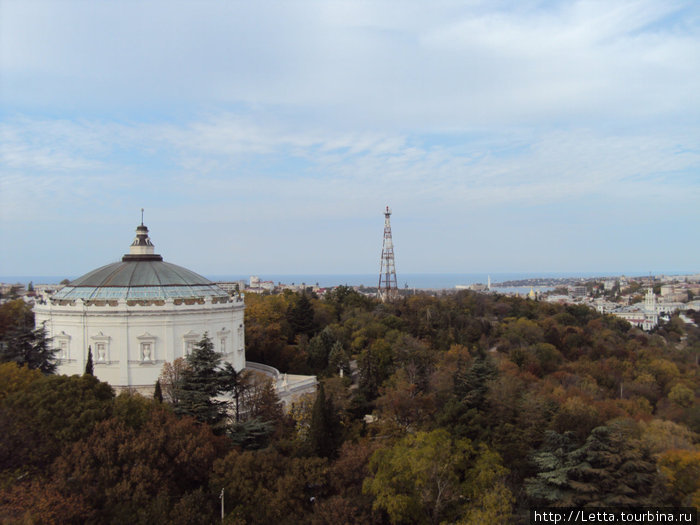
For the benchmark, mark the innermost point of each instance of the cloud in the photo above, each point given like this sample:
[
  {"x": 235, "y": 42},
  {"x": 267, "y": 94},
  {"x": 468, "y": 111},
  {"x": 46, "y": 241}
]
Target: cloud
[
  {"x": 288, "y": 117},
  {"x": 371, "y": 65},
  {"x": 230, "y": 155}
]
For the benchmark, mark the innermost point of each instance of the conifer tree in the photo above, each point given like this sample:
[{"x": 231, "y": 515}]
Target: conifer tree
[
  {"x": 201, "y": 384},
  {"x": 301, "y": 316},
  {"x": 338, "y": 359},
  {"x": 324, "y": 433},
  {"x": 235, "y": 383},
  {"x": 471, "y": 384},
  {"x": 609, "y": 469},
  {"x": 32, "y": 348},
  {"x": 89, "y": 367},
  {"x": 319, "y": 349},
  {"x": 158, "y": 392}
]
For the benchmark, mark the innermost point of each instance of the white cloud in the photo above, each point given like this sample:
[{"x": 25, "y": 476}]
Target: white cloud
[
  {"x": 287, "y": 115},
  {"x": 226, "y": 154},
  {"x": 376, "y": 65}
]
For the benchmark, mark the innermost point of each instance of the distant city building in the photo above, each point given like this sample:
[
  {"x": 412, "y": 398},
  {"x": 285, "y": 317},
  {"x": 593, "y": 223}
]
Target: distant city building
[
  {"x": 232, "y": 287},
  {"x": 644, "y": 316},
  {"x": 258, "y": 286},
  {"x": 559, "y": 299},
  {"x": 477, "y": 287},
  {"x": 7, "y": 288},
  {"x": 604, "y": 306},
  {"x": 578, "y": 291}
]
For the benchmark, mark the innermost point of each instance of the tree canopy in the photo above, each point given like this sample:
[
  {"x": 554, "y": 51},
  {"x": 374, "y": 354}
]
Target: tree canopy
[{"x": 451, "y": 408}]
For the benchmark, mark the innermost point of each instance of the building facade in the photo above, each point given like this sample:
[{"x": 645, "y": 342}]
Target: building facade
[
  {"x": 138, "y": 313},
  {"x": 645, "y": 317}
]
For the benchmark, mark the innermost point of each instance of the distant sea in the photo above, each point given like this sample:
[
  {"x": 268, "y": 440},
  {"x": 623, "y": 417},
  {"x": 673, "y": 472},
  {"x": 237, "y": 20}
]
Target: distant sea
[{"x": 410, "y": 280}]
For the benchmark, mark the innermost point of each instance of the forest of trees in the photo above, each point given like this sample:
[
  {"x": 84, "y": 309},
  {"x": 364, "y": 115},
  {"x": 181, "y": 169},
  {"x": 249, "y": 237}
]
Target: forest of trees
[{"x": 462, "y": 408}]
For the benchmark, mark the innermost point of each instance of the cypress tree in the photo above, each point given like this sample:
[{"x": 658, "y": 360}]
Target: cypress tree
[
  {"x": 158, "y": 392},
  {"x": 324, "y": 433},
  {"x": 89, "y": 367}
]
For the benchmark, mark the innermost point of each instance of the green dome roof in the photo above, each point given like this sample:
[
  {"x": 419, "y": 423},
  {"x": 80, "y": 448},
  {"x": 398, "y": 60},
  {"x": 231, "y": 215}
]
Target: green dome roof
[{"x": 140, "y": 275}]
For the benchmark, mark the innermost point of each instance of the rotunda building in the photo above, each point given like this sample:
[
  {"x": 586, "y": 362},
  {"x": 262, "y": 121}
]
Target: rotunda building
[{"x": 138, "y": 313}]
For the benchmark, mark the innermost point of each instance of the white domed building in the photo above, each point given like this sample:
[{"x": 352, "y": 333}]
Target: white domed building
[{"x": 137, "y": 314}]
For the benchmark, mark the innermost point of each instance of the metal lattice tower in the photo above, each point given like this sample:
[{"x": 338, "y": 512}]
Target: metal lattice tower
[{"x": 388, "y": 288}]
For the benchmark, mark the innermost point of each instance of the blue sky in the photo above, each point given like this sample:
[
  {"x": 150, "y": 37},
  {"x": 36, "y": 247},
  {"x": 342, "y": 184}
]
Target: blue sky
[{"x": 267, "y": 137}]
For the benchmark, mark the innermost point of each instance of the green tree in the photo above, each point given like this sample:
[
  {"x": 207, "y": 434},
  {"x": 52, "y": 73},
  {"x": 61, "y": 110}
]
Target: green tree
[
  {"x": 324, "y": 434},
  {"x": 89, "y": 367},
  {"x": 48, "y": 415},
  {"x": 319, "y": 349},
  {"x": 375, "y": 365},
  {"x": 15, "y": 378},
  {"x": 431, "y": 478},
  {"x": 551, "y": 484},
  {"x": 158, "y": 392},
  {"x": 338, "y": 359},
  {"x": 265, "y": 486},
  {"x": 300, "y": 316},
  {"x": 201, "y": 384},
  {"x": 261, "y": 399},
  {"x": 465, "y": 412},
  {"x": 32, "y": 348},
  {"x": 682, "y": 395},
  {"x": 252, "y": 434},
  {"x": 471, "y": 384},
  {"x": 143, "y": 470},
  {"x": 235, "y": 383},
  {"x": 14, "y": 315},
  {"x": 612, "y": 468},
  {"x": 415, "y": 358}
]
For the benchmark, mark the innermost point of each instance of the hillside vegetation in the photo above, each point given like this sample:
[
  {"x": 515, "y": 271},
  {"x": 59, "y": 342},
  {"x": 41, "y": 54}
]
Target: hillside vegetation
[{"x": 460, "y": 408}]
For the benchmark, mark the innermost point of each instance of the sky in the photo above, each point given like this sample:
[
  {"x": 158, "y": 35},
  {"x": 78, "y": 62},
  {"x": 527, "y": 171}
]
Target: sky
[{"x": 268, "y": 137}]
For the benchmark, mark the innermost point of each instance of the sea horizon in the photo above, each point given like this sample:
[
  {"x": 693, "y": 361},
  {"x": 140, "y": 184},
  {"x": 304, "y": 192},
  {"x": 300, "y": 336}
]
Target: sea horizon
[{"x": 407, "y": 280}]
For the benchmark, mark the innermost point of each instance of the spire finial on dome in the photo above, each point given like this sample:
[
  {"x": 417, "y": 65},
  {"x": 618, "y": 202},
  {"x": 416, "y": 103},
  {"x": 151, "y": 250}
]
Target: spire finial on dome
[{"x": 142, "y": 248}]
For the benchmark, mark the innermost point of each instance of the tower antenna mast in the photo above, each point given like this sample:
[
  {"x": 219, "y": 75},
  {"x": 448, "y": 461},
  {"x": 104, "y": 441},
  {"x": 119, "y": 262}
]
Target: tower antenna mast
[{"x": 388, "y": 288}]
